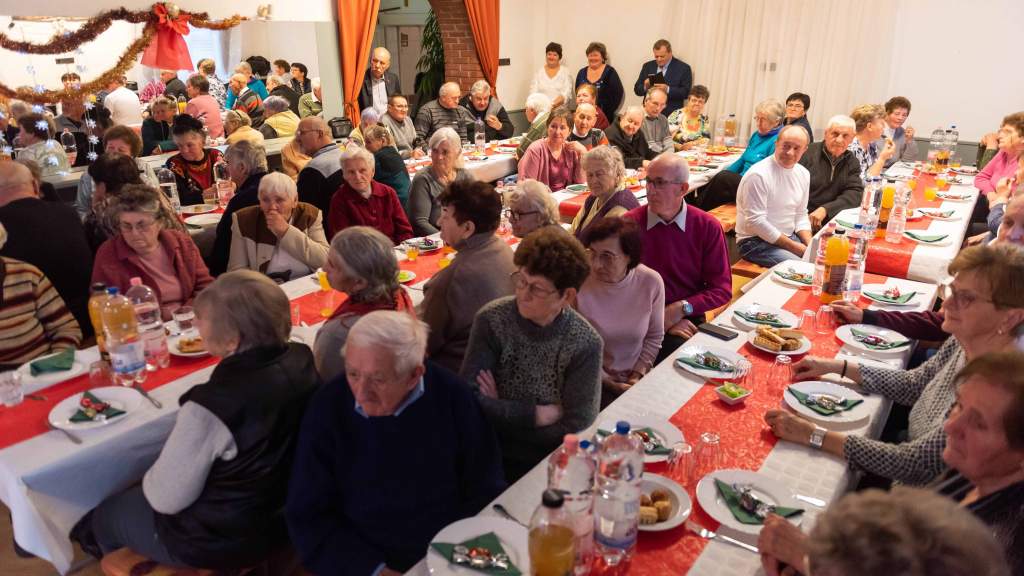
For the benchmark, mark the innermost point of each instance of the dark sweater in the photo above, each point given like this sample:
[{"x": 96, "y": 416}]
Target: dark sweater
[
  {"x": 917, "y": 325},
  {"x": 156, "y": 134},
  {"x": 1002, "y": 511},
  {"x": 246, "y": 195},
  {"x": 801, "y": 121},
  {"x": 835, "y": 183},
  {"x": 366, "y": 491},
  {"x": 389, "y": 169},
  {"x": 288, "y": 94},
  {"x": 493, "y": 107},
  {"x": 634, "y": 148}
]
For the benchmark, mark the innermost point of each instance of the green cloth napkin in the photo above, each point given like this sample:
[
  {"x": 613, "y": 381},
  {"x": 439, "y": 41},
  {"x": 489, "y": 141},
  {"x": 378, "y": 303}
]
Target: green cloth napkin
[
  {"x": 81, "y": 416},
  {"x": 658, "y": 449},
  {"x": 926, "y": 237},
  {"x": 903, "y": 299},
  {"x": 752, "y": 318},
  {"x": 793, "y": 277},
  {"x": 489, "y": 541},
  {"x": 694, "y": 363},
  {"x": 845, "y": 224},
  {"x": 858, "y": 334},
  {"x": 59, "y": 362},
  {"x": 732, "y": 501},
  {"x": 802, "y": 397}
]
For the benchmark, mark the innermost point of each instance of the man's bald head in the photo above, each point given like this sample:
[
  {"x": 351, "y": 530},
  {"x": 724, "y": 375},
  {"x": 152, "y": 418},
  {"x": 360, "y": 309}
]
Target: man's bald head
[
  {"x": 16, "y": 182},
  {"x": 313, "y": 134}
]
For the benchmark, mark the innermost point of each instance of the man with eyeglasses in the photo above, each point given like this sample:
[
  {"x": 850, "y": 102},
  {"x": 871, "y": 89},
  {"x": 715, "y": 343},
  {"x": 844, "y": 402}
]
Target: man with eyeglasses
[
  {"x": 397, "y": 120},
  {"x": 321, "y": 176},
  {"x": 686, "y": 246}
]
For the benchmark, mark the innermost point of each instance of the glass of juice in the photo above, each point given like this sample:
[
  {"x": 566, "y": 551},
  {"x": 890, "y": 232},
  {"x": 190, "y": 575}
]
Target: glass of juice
[
  {"x": 940, "y": 181},
  {"x": 929, "y": 193},
  {"x": 411, "y": 253}
]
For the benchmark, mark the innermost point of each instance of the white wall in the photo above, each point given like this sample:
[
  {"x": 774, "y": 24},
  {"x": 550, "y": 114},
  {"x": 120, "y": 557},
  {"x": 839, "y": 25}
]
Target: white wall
[{"x": 292, "y": 10}]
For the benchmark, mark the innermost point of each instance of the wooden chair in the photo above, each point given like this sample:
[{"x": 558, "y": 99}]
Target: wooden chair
[
  {"x": 726, "y": 216},
  {"x": 747, "y": 269}
]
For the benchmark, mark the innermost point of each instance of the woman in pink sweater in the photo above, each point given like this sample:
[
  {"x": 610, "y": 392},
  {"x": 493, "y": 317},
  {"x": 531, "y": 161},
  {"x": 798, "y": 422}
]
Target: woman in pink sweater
[
  {"x": 203, "y": 106},
  {"x": 554, "y": 160},
  {"x": 1004, "y": 165}
]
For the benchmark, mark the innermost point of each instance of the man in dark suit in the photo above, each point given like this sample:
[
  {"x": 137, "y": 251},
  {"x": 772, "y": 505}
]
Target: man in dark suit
[
  {"x": 378, "y": 83},
  {"x": 677, "y": 74}
]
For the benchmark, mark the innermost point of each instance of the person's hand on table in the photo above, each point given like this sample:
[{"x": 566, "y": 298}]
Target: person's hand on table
[
  {"x": 814, "y": 366},
  {"x": 684, "y": 328},
  {"x": 614, "y": 382},
  {"x": 788, "y": 426},
  {"x": 909, "y": 132},
  {"x": 977, "y": 239},
  {"x": 277, "y": 223},
  {"x": 817, "y": 217},
  {"x": 633, "y": 377},
  {"x": 783, "y": 546},
  {"x": 848, "y": 312},
  {"x": 488, "y": 386},
  {"x": 547, "y": 414},
  {"x": 493, "y": 121}
]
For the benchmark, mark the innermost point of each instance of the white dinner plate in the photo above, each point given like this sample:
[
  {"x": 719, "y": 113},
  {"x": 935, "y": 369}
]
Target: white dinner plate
[
  {"x": 707, "y": 374},
  {"x": 33, "y": 384},
  {"x": 881, "y": 288},
  {"x": 944, "y": 242},
  {"x": 798, "y": 266},
  {"x": 198, "y": 209},
  {"x": 854, "y": 415},
  {"x": 425, "y": 248},
  {"x": 955, "y": 197},
  {"x": 667, "y": 432},
  {"x": 577, "y": 188},
  {"x": 966, "y": 170},
  {"x": 122, "y": 398},
  {"x": 172, "y": 347},
  {"x": 766, "y": 489},
  {"x": 805, "y": 346},
  {"x": 406, "y": 276},
  {"x": 933, "y": 214},
  {"x": 514, "y": 539},
  {"x": 204, "y": 219},
  {"x": 682, "y": 506},
  {"x": 784, "y": 316},
  {"x": 846, "y": 336},
  {"x": 915, "y": 214}
]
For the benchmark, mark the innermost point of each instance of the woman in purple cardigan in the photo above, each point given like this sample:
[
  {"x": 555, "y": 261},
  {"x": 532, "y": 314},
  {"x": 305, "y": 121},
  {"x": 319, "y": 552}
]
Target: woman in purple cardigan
[
  {"x": 554, "y": 160},
  {"x": 609, "y": 197}
]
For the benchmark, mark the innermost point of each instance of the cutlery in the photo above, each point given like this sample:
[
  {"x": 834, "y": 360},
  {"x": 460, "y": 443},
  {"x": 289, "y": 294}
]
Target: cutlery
[
  {"x": 146, "y": 395},
  {"x": 37, "y": 397},
  {"x": 70, "y": 436},
  {"x": 810, "y": 500},
  {"x": 502, "y": 511},
  {"x": 709, "y": 535}
]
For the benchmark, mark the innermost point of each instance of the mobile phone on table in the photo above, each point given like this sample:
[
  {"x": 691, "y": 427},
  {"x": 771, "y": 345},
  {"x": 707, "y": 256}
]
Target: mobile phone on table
[{"x": 717, "y": 331}]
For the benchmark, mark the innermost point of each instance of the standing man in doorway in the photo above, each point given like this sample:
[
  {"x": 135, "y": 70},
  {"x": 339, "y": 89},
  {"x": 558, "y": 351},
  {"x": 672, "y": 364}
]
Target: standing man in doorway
[
  {"x": 378, "y": 83},
  {"x": 671, "y": 73}
]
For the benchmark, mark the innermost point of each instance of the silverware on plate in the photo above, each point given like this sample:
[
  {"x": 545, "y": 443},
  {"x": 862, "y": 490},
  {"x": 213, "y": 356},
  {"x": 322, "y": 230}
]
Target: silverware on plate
[
  {"x": 709, "y": 535},
  {"x": 74, "y": 438},
  {"x": 146, "y": 395}
]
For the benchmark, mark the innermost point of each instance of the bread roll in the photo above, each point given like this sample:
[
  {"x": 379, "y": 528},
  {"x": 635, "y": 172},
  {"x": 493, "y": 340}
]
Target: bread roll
[
  {"x": 648, "y": 515},
  {"x": 664, "y": 508}
]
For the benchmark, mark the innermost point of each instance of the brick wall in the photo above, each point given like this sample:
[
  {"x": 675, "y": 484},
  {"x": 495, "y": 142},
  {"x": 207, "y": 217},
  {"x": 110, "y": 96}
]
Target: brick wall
[{"x": 460, "y": 60}]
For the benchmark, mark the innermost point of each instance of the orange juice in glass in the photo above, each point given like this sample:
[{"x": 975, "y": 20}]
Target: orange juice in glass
[
  {"x": 929, "y": 193},
  {"x": 940, "y": 181},
  {"x": 411, "y": 253}
]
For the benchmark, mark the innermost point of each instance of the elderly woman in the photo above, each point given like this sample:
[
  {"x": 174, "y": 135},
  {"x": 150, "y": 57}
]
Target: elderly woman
[
  {"x": 427, "y": 185},
  {"x": 624, "y": 301},
  {"x": 553, "y": 80},
  {"x": 983, "y": 310},
  {"x": 247, "y": 165},
  {"x": 362, "y": 264},
  {"x": 361, "y": 201},
  {"x": 535, "y": 361},
  {"x": 583, "y": 130},
  {"x": 870, "y": 124},
  {"x": 34, "y": 317},
  {"x": 203, "y": 106},
  {"x": 797, "y": 105},
  {"x": 193, "y": 164},
  {"x": 388, "y": 166},
  {"x": 587, "y": 94},
  {"x": 279, "y": 121},
  {"x": 1004, "y": 164},
  {"x": 897, "y": 109},
  {"x": 530, "y": 207},
  {"x": 470, "y": 214},
  {"x": 238, "y": 127},
  {"x": 603, "y": 77},
  {"x": 550, "y": 160},
  {"x": 694, "y": 126},
  {"x": 149, "y": 247},
  {"x": 156, "y": 130},
  {"x": 281, "y": 237},
  {"x": 109, "y": 173},
  {"x": 116, "y": 140},
  {"x": 626, "y": 135},
  {"x": 609, "y": 197},
  {"x": 215, "y": 496},
  {"x": 37, "y": 145},
  {"x": 368, "y": 118}
]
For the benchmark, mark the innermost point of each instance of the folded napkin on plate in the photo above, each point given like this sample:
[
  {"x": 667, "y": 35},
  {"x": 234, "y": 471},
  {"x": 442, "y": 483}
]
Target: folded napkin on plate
[
  {"x": 755, "y": 320},
  {"x": 794, "y": 277},
  {"x": 693, "y": 362},
  {"x": 903, "y": 299},
  {"x": 926, "y": 237},
  {"x": 658, "y": 448},
  {"x": 90, "y": 401},
  {"x": 803, "y": 398},
  {"x": 845, "y": 223},
  {"x": 490, "y": 542},
  {"x": 860, "y": 336},
  {"x": 732, "y": 501},
  {"x": 59, "y": 362}
]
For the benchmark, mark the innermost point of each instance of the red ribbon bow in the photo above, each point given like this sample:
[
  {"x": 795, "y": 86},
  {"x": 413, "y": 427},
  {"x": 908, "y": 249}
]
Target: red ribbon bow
[{"x": 179, "y": 24}]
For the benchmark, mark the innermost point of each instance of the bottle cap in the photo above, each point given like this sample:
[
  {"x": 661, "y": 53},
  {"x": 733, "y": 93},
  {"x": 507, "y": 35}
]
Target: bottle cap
[
  {"x": 112, "y": 290},
  {"x": 98, "y": 287},
  {"x": 584, "y": 444},
  {"x": 135, "y": 281},
  {"x": 571, "y": 440},
  {"x": 622, "y": 427},
  {"x": 552, "y": 499}
]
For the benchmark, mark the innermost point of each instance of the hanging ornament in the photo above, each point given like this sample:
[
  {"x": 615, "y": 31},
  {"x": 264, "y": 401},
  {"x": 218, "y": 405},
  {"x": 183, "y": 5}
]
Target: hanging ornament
[
  {"x": 37, "y": 109},
  {"x": 92, "y": 156},
  {"x": 94, "y": 139},
  {"x": 89, "y": 105},
  {"x": 90, "y": 123},
  {"x": 42, "y": 125}
]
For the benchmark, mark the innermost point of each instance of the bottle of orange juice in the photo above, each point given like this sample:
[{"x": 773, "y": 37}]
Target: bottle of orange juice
[
  {"x": 837, "y": 256},
  {"x": 96, "y": 300},
  {"x": 552, "y": 540},
  {"x": 888, "y": 199}
]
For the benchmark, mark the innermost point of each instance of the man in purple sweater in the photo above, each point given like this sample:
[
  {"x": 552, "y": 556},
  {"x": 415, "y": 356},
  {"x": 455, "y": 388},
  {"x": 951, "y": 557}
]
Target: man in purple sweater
[{"x": 686, "y": 246}]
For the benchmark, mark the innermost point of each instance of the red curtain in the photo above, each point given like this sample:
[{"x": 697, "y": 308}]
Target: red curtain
[
  {"x": 484, "y": 20},
  {"x": 356, "y": 21}
]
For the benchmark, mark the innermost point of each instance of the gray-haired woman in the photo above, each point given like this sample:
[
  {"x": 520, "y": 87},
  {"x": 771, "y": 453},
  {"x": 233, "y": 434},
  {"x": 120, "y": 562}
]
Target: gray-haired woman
[
  {"x": 215, "y": 496},
  {"x": 281, "y": 237},
  {"x": 247, "y": 165},
  {"x": 530, "y": 207},
  {"x": 446, "y": 165},
  {"x": 609, "y": 197},
  {"x": 280, "y": 121},
  {"x": 362, "y": 264},
  {"x": 238, "y": 127}
]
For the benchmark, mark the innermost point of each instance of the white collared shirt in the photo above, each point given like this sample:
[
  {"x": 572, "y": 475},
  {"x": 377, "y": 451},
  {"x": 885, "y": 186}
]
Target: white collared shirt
[
  {"x": 380, "y": 95},
  {"x": 680, "y": 219}
]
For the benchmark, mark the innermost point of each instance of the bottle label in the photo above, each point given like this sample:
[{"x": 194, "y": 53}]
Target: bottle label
[
  {"x": 128, "y": 357},
  {"x": 835, "y": 275}
]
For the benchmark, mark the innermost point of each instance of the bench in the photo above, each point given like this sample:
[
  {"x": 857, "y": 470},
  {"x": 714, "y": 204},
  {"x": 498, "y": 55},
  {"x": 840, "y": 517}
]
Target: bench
[{"x": 747, "y": 269}]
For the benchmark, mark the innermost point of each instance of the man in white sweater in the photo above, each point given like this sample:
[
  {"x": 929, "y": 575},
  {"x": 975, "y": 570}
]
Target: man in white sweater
[{"x": 771, "y": 204}]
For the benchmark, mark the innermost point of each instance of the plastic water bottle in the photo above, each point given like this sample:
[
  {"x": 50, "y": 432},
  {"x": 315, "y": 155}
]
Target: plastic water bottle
[
  {"x": 937, "y": 145},
  {"x": 952, "y": 139},
  {"x": 571, "y": 471},
  {"x": 617, "y": 502},
  {"x": 897, "y": 217},
  {"x": 870, "y": 205},
  {"x": 151, "y": 328},
  {"x": 855, "y": 267},
  {"x": 819, "y": 258},
  {"x": 169, "y": 186},
  {"x": 479, "y": 134},
  {"x": 125, "y": 346},
  {"x": 67, "y": 140}
]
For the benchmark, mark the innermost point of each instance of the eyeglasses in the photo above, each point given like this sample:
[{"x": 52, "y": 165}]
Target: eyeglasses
[
  {"x": 660, "y": 183},
  {"x": 603, "y": 258},
  {"x": 301, "y": 132},
  {"x": 536, "y": 290},
  {"x": 140, "y": 227},
  {"x": 795, "y": 105},
  {"x": 958, "y": 298},
  {"x": 516, "y": 214}
]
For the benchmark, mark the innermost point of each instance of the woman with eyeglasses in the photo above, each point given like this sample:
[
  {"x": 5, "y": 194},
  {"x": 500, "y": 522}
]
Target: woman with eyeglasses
[
  {"x": 624, "y": 301},
  {"x": 609, "y": 197},
  {"x": 983, "y": 311},
  {"x": 797, "y": 105},
  {"x": 530, "y": 207},
  {"x": 148, "y": 246},
  {"x": 536, "y": 362}
]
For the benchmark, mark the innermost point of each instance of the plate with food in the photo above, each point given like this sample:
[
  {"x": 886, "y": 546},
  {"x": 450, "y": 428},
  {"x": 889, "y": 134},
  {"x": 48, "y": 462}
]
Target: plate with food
[
  {"x": 425, "y": 244},
  {"x": 795, "y": 273},
  {"x": 490, "y": 540},
  {"x": 870, "y": 338},
  {"x": 663, "y": 503},
  {"x": 889, "y": 295},
  {"x": 710, "y": 362},
  {"x": 915, "y": 215},
  {"x": 740, "y": 499},
  {"x": 966, "y": 170},
  {"x": 577, "y": 188},
  {"x": 779, "y": 340},
  {"x": 754, "y": 315},
  {"x": 946, "y": 215},
  {"x": 955, "y": 196},
  {"x": 198, "y": 209},
  {"x": 208, "y": 219},
  {"x": 657, "y": 434},
  {"x": 187, "y": 346},
  {"x": 928, "y": 238},
  {"x": 406, "y": 276},
  {"x": 826, "y": 402},
  {"x": 717, "y": 150},
  {"x": 94, "y": 408}
]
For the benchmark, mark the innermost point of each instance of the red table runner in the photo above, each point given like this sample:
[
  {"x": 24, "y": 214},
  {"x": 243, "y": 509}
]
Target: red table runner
[{"x": 570, "y": 206}]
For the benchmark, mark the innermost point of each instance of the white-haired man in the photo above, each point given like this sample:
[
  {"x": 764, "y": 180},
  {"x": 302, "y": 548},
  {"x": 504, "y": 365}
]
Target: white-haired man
[
  {"x": 254, "y": 84},
  {"x": 627, "y": 136},
  {"x": 485, "y": 107},
  {"x": 280, "y": 85},
  {"x": 538, "y": 106},
  {"x": 311, "y": 103},
  {"x": 835, "y": 172},
  {"x": 379, "y": 83},
  {"x": 173, "y": 86},
  {"x": 445, "y": 111},
  {"x": 397, "y": 426},
  {"x": 655, "y": 127},
  {"x": 321, "y": 176}
]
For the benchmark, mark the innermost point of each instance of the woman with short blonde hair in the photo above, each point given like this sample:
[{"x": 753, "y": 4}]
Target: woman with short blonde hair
[{"x": 869, "y": 120}]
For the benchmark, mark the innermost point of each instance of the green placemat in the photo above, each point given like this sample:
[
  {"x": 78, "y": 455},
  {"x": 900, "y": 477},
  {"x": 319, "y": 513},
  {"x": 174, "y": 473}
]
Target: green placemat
[
  {"x": 803, "y": 398},
  {"x": 801, "y": 278},
  {"x": 108, "y": 413},
  {"x": 694, "y": 363},
  {"x": 59, "y": 362},
  {"x": 489, "y": 541},
  {"x": 732, "y": 501},
  {"x": 926, "y": 237},
  {"x": 755, "y": 320},
  {"x": 658, "y": 449},
  {"x": 860, "y": 335},
  {"x": 903, "y": 299}
]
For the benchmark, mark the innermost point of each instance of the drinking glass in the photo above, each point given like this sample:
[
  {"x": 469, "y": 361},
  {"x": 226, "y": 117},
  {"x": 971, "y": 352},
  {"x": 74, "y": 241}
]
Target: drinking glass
[
  {"x": 954, "y": 161},
  {"x": 940, "y": 181},
  {"x": 185, "y": 317},
  {"x": 708, "y": 453},
  {"x": 825, "y": 321},
  {"x": 101, "y": 374},
  {"x": 411, "y": 252},
  {"x": 743, "y": 369},
  {"x": 781, "y": 374},
  {"x": 912, "y": 183},
  {"x": 327, "y": 304},
  {"x": 296, "y": 315},
  {"x": 12, "y": 392},
  {"x": 806, "y": 321},
  {"x": 225, "y": 191},
  {"x": 929, "y": 193},
  {"x": 682, "y": 462}
]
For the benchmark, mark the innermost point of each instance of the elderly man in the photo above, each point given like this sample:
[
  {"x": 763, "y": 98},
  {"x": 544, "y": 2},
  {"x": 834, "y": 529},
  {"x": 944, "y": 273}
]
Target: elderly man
[
  {"x": 247, "y": 165},
  {"x": 389, "y": 453},
  {"x": 173, "y": 86},
  {"x": 254, "y": 84},
  {"x": 583, "y": 130},
  {"x": 362, "y": 201},
  {"x": 483, "y": 106},
  {"x": 47, "y": 235},
  {"x": 246, "y": 100},
  {"x": 311, "y": 103},
  {"x": 538, "y": 106},
  {"x": 321, "y": 176},
  {"x": 771, "y": 203},
  {"x": 280, "y": 85},
  {"x": 627, "y": 137},
  {"x": 655, "y": 126},
  {"x": 123, "y": 104},
  {"x": 686, "y": 246},
  {"x": 397, "y": 120},
  {"x": 835, "y": 172},
  {"x": 378, "y": 83},
  {"x": 445, "y": 111},
  {"x": 666, "y": 71},
  {"x": 278, "y": 120}
]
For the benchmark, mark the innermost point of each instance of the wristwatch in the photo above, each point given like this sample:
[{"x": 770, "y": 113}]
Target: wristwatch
[
  {"x": 687, "y": 309},
  {"x": 818, "y": 436}
]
